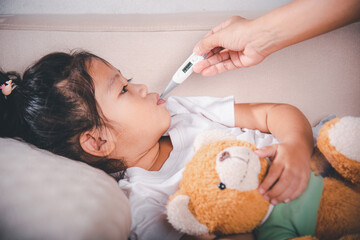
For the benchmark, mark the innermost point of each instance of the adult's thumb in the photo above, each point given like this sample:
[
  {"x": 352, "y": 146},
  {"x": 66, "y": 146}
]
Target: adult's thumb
[{"x": 208, "y": 43}]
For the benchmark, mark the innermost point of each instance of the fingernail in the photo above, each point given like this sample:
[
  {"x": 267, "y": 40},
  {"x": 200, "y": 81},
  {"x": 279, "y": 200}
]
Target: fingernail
[
  {"x": 287, "y": 200},
  {"x": 258, "y": 152},
  {"x": 274, "y": 202},
  {"x": 261, "y": 191}
]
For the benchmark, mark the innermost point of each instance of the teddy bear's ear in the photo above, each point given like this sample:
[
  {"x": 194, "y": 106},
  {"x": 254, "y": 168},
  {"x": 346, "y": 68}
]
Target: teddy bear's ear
[
  {"x": 339, "y": 142},
  {"x": 211, "y": 136},
  {"x": 182, "y": 219}
]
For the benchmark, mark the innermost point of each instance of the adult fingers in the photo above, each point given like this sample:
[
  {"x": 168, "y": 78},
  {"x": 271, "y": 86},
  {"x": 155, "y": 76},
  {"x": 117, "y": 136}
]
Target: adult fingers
[
  {"x": 213, "y": 38},
  {"x": 214, "y": 51},
  {"x": 219, "y": 62},
  {"x": 214, "y": 64},
  {"x": 200, "y": 66},
  {"x": 218, "y": 68},
  {"x": 208, "y": 43}
]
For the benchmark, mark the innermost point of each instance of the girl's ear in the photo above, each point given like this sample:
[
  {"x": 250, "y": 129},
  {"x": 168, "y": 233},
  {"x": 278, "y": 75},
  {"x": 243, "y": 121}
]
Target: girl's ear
[{"x": 97, "y": 142}]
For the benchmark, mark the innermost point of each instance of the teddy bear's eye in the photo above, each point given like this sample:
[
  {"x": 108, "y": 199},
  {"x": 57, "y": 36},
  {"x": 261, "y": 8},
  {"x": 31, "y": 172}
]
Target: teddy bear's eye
[{"x": 221, "y": 186}]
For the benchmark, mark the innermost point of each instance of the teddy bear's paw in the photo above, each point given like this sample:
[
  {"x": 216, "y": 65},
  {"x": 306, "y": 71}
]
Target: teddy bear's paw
[
  {"x": 339, "y": 141},
  {"x": 182, "y": 219}
]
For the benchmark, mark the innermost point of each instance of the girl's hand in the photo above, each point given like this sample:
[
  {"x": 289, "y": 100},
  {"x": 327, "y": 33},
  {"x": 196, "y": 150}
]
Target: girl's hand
[{"x": 288, "y": 174}]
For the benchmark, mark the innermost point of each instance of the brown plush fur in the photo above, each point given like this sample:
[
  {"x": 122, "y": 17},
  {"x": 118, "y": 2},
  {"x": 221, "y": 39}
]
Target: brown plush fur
[
  {"x": 348, "y": 168},
  {"x": 304, "y": 238},
  {"x": 350, "y": 237},
  {"x": 235, "y": 205},
  {"x": 339, "y": 210},
  {"x": 320, "y": 166},
  {"x": 240, "y": 212}
]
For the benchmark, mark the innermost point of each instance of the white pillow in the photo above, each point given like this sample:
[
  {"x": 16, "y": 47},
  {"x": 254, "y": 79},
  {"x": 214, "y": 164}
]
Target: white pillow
[{"x": 45, "y": 196}]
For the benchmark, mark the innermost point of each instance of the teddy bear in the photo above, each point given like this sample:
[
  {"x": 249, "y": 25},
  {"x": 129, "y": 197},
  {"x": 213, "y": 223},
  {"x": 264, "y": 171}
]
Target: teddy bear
[{"x": 218, "y": 190}]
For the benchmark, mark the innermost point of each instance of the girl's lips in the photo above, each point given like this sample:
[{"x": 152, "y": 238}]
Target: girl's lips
[{"x": 160, "y": 101}]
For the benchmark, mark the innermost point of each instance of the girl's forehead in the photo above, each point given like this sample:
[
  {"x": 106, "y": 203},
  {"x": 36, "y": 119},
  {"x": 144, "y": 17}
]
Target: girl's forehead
[
  {"x": 99, "y": 64},
  {"x": 100, "y": 69}
]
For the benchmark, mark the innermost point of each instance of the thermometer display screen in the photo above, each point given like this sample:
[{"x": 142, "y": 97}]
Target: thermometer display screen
[{"x": 187, "y": 67}]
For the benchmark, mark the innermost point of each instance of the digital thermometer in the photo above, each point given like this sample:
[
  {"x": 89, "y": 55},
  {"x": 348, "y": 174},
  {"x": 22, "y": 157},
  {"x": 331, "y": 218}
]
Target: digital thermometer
[{"x": 182, "y": 73}]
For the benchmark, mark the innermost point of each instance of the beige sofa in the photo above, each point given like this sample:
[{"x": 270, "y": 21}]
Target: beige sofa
[{"x": 43, "y": 196}]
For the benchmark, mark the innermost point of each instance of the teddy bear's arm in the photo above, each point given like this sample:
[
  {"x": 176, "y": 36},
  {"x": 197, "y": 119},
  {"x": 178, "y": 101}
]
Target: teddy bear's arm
[{"x": 182, "y": 219}]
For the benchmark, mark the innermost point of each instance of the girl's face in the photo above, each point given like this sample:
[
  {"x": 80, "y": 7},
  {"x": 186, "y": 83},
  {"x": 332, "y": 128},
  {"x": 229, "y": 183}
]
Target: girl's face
[{"x": 137, "y": 117}]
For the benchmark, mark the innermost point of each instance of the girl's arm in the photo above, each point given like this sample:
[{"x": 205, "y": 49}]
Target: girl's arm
[{"x": 289, "y": 171}]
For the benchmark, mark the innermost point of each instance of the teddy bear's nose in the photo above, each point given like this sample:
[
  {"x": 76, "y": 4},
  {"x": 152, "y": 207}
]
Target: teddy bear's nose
[{"x": 224, "y": 155}]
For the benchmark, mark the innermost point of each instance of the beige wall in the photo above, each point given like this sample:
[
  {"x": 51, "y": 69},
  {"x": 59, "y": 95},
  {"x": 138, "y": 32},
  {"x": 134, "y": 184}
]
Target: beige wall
[{"x": 132, "y": 6}]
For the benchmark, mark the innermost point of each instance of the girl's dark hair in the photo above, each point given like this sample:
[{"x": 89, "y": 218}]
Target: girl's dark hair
[{"x": 53, "y": 104}]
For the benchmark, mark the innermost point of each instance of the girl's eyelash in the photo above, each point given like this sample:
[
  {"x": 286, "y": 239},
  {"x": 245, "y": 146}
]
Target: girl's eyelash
[{"x": 124, "y": 90}]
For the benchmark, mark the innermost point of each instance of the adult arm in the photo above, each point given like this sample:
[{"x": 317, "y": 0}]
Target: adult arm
[{"x": 240, "y": 42}]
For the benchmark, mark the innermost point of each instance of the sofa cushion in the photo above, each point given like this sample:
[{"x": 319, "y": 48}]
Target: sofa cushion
[{"x": 45, "y": 196}]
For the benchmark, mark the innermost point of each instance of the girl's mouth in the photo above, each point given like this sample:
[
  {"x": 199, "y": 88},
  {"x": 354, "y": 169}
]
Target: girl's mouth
[{"x": 160, "y": 101}]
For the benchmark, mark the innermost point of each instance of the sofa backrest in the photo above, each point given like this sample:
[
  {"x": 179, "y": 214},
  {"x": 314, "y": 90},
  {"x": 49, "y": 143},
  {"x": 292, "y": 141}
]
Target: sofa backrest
[{"x": 321, "y": 76}]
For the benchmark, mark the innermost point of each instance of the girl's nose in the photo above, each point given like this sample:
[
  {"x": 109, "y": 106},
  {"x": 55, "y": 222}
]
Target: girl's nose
[{"x": 142, "y": 89}]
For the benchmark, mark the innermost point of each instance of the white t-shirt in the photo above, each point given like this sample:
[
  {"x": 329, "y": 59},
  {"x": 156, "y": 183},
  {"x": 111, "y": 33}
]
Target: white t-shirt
[{"x": 148, "y": 191}]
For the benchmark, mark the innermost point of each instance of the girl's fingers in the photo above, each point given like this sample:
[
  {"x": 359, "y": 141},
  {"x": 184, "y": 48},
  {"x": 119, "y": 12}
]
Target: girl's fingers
[
  {"x": 303, "y": 182},
  {"x": 282, "y": 190},
  {"x": 275, "y": 170},
  {"x": 283, "y": 197},
  {"x": 268, "y": 151},
  {"x": 289, "y": 192},
  {"x": 270, "y": 179}
]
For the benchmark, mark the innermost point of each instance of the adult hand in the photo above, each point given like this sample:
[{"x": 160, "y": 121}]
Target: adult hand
[
  {"x": 233, "y": 44},
  {"x": 239, "y": 42}
]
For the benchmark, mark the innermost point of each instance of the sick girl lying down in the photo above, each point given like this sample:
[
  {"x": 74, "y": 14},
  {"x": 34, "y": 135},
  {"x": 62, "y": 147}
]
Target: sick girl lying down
[{"x": 80, "y": 106}]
